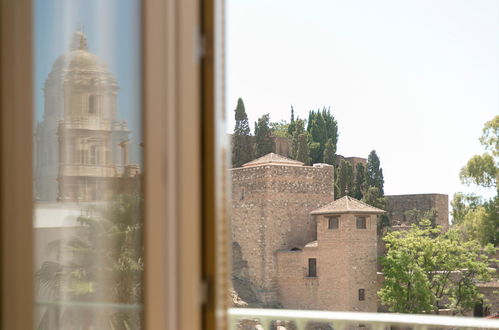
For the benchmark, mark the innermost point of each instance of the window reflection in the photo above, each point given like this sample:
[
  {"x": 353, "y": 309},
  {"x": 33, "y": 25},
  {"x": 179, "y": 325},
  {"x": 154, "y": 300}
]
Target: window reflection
[{"x": 88, "y": 213}]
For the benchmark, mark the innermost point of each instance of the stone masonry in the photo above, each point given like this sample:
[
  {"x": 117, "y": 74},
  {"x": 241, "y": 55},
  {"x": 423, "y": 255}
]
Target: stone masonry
[
  {"x": 397, "y": 205},
  {"x": 345, "y": 277},
  {"x": 272, "y": 198}
]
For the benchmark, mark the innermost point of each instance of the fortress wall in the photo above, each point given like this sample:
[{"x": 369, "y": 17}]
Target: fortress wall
[
  {"x": 346, "y": 262},
  {"x": 296, "y": 290},
  {"x": 397, "y": 205},
  {"x": 270, "y": 212}
]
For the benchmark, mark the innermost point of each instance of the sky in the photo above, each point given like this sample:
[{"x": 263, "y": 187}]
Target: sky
[
  {"x": 113, "y": 33},
  {"x": 413, "y": 80}
]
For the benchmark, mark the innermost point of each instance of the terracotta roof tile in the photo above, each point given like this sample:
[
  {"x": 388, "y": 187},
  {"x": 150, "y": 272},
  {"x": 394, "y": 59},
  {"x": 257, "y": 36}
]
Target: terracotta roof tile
[
  {"x": 275, "y": 159},
  {"x": 347, "y": 204}
]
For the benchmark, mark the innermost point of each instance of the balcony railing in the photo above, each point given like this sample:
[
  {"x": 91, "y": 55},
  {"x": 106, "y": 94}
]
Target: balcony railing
[{"x": 340, "y": 320}]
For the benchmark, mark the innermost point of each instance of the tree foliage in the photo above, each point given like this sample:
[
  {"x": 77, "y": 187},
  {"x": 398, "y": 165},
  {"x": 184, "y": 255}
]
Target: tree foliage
[
  {"x": 374, "y": 172},
  {"x": 483, "y": 170},
  {"x": 426, "y": 270},
  {"x": 360, "y": 181},
  {"x": 263, "y": 136},
  {"x": 462, "y": 204},
  {"x": 344, "y": 179},
  {"x": 373, "y": 197},
  {"x": 475, "y": 218},
  {"x": 329, "y": 152},
  {"x": 300, "y": 143},
  {"x": 242, "y": 150},
  {"x": 322, "y": 127},
  {"x": 279, "y": 129},
  {"x": 478, "y": 218},
  {"x": 490, "y": 136},
  {"x": 415, "y": 216},
  {"x": 292, "y": 124}
]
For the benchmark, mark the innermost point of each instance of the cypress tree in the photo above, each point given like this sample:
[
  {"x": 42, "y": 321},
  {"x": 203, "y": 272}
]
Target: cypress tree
[
  {"x": 292, "y": 124},
  {"x": 329, "y": 152},
  {"x": 331, "y": 126},
  {"x": 242, "y": 149},
  {"x": 263, "y": 136},
  {"x": 344, "y": 178},
  {"x": 299, "y": 128},
  {"x": 360, "y": 181},
  {"x": 322, "y": 127},
  {"x": 374, "y": 172},
  {"x": 303, "y": 152}
]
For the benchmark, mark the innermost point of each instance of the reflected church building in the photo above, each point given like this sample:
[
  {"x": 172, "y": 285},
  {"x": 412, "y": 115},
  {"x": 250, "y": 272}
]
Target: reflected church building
[{"x": 82, "y": 148}]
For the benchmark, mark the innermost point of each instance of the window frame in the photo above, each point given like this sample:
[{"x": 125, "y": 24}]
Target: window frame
[
  {"x": 336, "y": 226},
  {"x": 312, "y": 265},
  {"x": 362, "y": 294},
  {"x": 363, "y": 223},
  {"x": 178, "y": 94}
]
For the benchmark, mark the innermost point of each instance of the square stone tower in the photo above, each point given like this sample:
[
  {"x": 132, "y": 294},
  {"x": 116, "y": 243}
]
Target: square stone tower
[
  {"x": 338, "y": 272},
  {"x": 272, "y": 197}
]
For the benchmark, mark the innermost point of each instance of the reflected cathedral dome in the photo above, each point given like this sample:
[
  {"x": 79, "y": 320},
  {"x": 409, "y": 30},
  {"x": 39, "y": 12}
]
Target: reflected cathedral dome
[{"x": 79, "y": 66}]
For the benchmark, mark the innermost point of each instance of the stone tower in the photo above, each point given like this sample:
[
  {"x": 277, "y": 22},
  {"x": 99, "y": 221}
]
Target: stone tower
[
  {"x": 272, "y": 197},
  {"x": 338, "y": 271},
  {"x": 82, "y": 147}
]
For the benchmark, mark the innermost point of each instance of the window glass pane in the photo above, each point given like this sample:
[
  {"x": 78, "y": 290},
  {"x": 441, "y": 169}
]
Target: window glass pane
[
  {"x": 333, "y": 222},
  {"x": 361, "y": 223},
  {"x": 88, "y": 165},
  {"x": 342, "y": 117}
]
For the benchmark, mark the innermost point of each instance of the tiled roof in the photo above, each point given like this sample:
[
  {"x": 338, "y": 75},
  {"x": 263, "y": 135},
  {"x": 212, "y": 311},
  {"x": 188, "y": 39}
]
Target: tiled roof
[
  {"x": 273, "y": 158},
  {"x": 347, "y": 204}
]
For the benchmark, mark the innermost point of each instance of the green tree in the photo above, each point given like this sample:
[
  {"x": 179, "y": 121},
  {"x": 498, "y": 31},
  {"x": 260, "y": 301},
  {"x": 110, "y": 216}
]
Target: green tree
[
  {"x": 322, "y": 127},
  {"x": 479, "y": 224},
  {"x": 462, "y": 204},
  {"x": 373, "y": 197},
  {"x": 374, "y": 172},
  {"x": 302, "y": 151},
  {"x": 360, "y": 181},
  {"x": 112, "y": 235},
  {"x": 483, "y": 170},
  {"x": 331, "y": 127},
  {"x": 299, "y": 129},
  {"x": 263, "y": 136},
  {"x": 315, "y": 151},
  {"x": 416, "y": 216},
  {"x": 292, "y": 125},
  {"x": 475, "y": 218},
  {"x": 479, "y": 219},
  {"x": 329, "y": 152},
  {"x": 242, "y": 150},
  {"x": 344, "y": 179},
  {"x": 426, "y": 270},
  {"x": 279, "y": 129}
]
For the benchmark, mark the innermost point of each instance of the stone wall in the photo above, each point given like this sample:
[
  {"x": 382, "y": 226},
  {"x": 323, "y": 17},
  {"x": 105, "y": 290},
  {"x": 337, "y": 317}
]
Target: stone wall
[
  {"x": 270, "y": 212},
  {"x": 397, "y": 205},
  {"x": 346, "y": 262}
]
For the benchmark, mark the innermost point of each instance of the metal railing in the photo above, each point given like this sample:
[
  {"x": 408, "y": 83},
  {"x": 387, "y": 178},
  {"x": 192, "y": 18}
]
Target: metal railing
[{"x": 340, "y": 320}]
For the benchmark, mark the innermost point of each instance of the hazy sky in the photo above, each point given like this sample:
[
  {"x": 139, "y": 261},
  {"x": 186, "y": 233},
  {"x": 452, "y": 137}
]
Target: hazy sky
[{"x": 414, "y": 80}]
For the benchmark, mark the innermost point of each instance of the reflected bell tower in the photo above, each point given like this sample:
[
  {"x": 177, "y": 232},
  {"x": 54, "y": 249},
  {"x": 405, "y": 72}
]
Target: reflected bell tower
[{"x": 80, "y": 154}]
